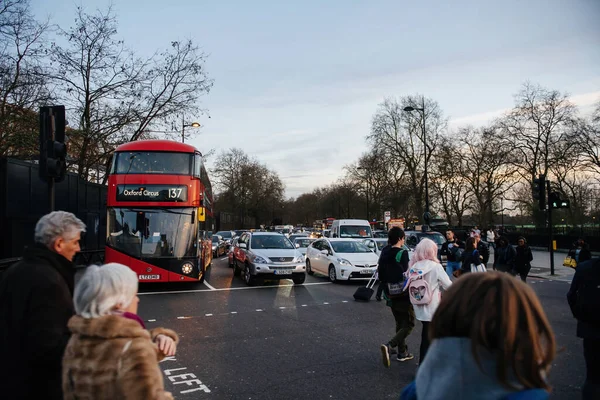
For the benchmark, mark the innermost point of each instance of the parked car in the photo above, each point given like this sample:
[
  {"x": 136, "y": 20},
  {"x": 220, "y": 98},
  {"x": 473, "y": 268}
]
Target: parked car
[
  {"x": 414, "y": 237},
  {"x": 268, "y": 255},
  {"x": 218, "y": 246},
  {"x": 341, "y": 259},
  {"x": 376, "y": 244},
  {"x": 302, "y": 243}
]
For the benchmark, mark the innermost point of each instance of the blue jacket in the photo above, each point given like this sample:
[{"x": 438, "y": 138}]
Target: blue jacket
[{"x": 450, "y": 372}]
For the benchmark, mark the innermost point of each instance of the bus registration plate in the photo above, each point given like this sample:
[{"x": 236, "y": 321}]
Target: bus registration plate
[
  {"x": 283, "y": 272},
  {"x": 149, "y": 277}
]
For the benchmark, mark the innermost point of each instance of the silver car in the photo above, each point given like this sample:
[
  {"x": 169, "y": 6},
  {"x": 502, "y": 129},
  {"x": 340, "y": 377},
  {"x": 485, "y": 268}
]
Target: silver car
[
  {"x": 268, "y": 255},
  {"x": 302, "y": 243}
]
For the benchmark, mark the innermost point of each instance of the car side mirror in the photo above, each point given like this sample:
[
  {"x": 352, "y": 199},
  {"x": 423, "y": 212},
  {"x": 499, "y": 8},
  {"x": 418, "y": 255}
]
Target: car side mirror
[
  {"x": 325, "y": 252},
  {"x": 297, "y": 245},
  {"x": 243, "y": 246}
]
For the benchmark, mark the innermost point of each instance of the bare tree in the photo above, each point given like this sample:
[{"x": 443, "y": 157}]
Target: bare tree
[
  {"x": 22, "y": 87},
  {"x": 116, "y": 96},
  {"x": 588, "y": 142},
  {"x": 399, "y": 136}
]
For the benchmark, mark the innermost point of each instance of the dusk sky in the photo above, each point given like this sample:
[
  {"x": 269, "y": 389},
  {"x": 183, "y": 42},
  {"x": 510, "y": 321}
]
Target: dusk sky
[{"x": 297, "y": 83}]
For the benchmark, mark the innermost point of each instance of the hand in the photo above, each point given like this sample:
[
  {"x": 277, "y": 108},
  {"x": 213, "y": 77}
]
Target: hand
[{"x": 166, "y": 345}]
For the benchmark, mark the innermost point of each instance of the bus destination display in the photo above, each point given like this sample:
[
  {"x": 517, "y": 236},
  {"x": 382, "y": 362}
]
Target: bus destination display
[{"x": 162, "y": 193}]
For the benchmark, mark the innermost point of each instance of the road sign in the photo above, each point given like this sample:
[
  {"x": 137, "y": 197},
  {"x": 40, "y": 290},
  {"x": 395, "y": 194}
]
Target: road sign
[{"x": 387, "y": 215}]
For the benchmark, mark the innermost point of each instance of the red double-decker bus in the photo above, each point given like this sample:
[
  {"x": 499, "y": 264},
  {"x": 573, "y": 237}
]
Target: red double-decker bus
[{"x": 159, "y": 206}]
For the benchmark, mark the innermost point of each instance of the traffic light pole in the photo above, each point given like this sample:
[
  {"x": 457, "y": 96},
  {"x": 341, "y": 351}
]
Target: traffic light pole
[{"x": 549, "y": 208}]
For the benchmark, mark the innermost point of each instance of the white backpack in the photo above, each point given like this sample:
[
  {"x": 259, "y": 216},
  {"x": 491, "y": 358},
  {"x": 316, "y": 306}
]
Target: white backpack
[{"x": 418, "y": 288}]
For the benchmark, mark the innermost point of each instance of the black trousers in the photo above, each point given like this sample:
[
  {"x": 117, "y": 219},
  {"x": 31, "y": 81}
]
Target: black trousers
[
  {"x": 591, "y": 387},
  {"x": 424, "y": 341}
]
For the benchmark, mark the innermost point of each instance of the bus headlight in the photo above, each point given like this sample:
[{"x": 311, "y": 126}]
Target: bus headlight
[{"x": 187, "y": 268}]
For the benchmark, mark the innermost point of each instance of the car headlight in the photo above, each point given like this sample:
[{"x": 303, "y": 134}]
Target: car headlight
[
  {"x": 187, "y": 268},
  {"x": 259, "y": 260},
  {"x": 300, "y": 258},
  {"x": 343, "y": 261},
  {"x": 214, "y": 246}
]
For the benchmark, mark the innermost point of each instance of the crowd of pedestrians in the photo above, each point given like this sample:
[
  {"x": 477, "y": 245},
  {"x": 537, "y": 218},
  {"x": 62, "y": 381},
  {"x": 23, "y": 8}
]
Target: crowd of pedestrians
[{"x": 484, "y": 335}]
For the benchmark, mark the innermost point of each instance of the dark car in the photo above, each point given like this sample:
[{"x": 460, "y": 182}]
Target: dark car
[
  {"x": 218, "y": 246},
  {"x": 414, "y": 237}
]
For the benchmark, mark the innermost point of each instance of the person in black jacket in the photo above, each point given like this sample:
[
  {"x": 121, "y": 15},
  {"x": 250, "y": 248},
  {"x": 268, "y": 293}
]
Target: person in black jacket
[
  {"x": 482, "y": 248},
  {"x": 504, "y": 256},
  {"x": 393, "y": 263},
  {"x": 580, "y": 251},
  {"x": 470, "y": 256},
  {"x": 523, "y": 258},
  {"x": 452, "y": 250},
  {"x": 584, "y": 300},
  {"x": 36, "y": 301}
]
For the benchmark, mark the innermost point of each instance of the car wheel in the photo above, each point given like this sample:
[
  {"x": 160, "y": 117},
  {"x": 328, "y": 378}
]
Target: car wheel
[
  {"x": 308, "y": 267},
  {"x": 332, "y": 274},
  {"x": 236, "y": 270},
  {"x": 248, "y": 278},
  {"x": 299, "y": 280}
]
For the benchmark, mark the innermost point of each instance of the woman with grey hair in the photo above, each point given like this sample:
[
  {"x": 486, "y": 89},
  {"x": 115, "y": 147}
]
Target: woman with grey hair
[
  {"x": 110, "y": 354},
  {"x": 36, "y": 302}
]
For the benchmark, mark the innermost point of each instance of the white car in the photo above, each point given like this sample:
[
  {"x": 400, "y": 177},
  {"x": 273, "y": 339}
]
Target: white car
[
  {"x": 302, "y": 243},
  {"x": 341, "y": 259},
  {"x": 376, "y": 244}
]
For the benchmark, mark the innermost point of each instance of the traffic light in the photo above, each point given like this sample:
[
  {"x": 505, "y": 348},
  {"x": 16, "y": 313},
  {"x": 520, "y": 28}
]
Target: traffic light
[
  {"x": 53, "y": 150},
  {"x": 539, "y": 191},
  {"x": 555, "y": 201}
]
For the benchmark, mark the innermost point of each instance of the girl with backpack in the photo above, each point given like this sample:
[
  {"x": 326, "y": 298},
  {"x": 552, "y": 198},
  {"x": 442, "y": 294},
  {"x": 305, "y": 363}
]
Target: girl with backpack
[{"x": 425, "y": 276}]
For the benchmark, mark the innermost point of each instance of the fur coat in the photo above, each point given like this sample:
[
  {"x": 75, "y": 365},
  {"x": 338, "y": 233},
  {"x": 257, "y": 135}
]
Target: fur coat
[{"x": 113, "y": 358}]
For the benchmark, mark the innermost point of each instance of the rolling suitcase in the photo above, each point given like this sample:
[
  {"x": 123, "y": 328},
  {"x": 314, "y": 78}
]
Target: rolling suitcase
[{"x": 365, "y": 293}]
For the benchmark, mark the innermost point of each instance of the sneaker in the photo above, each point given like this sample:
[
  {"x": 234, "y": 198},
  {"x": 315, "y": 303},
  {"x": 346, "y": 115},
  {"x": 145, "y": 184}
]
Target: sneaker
[
  {"x": 385, "y": 354},
  {"x": 404, "y": 356}
]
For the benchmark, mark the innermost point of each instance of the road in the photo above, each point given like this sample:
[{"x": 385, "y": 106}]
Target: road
[{"x": 311, "y": 341}]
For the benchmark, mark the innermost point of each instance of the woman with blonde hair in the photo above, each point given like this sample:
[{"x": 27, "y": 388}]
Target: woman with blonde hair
[
  {"x": 490, "y": 340},
  {"x": 110, "y": 354},
  {"x": 424, "y": 265}
]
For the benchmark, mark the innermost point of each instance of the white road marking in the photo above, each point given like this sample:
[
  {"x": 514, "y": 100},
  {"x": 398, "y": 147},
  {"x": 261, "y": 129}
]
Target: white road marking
[
  {"x": 151, "y": 320},
  {"x": 208, "y": 315},
  {"x": 209, "y": 286},
  {"x": 229, "y": 289},
  {"x": 184, "y": 317},
  {"x": 325, "y": 302},
  {"x": 258, "y": 310},
  {"x": 234, "y": 312}
]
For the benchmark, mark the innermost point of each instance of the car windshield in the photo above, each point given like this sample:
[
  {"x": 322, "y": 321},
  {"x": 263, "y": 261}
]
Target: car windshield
[
  {"x": 355, "y": 231},
  {"x": 225, "y": 234},
  {"x": 350, "y": 246},
  {"x": 438, "y": 238},
  {"x": 270, "y": 242},
  {"x": 304, "y": 242}
]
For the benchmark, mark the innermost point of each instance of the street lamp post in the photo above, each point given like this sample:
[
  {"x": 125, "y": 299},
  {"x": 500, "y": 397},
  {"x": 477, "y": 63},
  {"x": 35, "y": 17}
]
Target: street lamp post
[
  {"x": 367, "y": 192},
  {"x": 426, "y": 214},
  {"x": 183, "y": 125}
]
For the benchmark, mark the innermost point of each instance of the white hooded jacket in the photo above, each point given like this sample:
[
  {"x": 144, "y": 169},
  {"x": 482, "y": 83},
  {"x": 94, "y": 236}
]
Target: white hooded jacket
[{"x": 436, "y": 276}]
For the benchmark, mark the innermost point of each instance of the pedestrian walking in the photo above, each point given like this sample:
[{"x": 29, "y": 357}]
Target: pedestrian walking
[
  {"x": 580, "y": 251},
  {"x": 470, "y": 256},
  {"x": 584, "y": 300},
  {"x": 452, "y": 250},
  {"x": 490, "y": 340},
  {"x": 110, "y": 354},
  {"x": 523, "y": 258},
  {"x": 393, "y": 263},
  {"x": 490, "y": 236},
  {"x": 482, "y": 248},
  {"x": 36, "y": 301},
  {"x": 504, "y": 256},
  {"x": 425, "y": 278}
]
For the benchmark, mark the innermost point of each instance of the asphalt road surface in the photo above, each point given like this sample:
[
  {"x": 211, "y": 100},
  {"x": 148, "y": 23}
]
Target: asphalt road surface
[{"x": 311, "y": 341}]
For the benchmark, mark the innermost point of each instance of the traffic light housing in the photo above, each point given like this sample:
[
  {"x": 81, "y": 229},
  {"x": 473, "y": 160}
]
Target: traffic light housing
[
  {"x": 539, "y": 191},
  {"x": 53, "y": 150},
  {"x": 554, "y": 201}
]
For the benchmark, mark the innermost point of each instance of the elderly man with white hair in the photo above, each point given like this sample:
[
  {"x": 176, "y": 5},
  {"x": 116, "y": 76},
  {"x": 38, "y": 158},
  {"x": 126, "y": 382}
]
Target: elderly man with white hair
[
  {"x": 35, "y": 306},
  {"x": 110, "y": 354}
]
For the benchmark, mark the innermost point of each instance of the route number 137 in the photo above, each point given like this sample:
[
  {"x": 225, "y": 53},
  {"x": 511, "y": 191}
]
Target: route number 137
[{"x": 174, "y": 193}]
